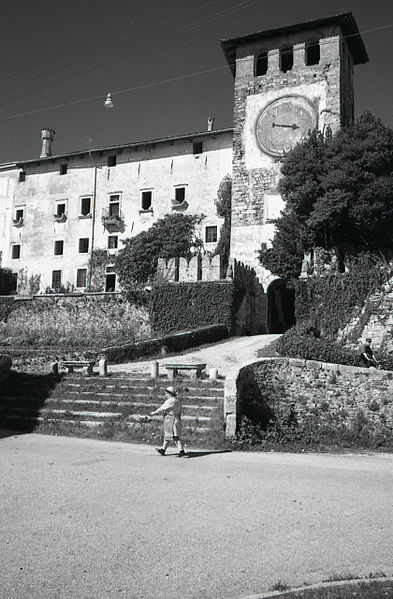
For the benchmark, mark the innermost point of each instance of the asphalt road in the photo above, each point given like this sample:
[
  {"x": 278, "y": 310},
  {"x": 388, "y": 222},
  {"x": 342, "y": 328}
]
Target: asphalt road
[{"x": 84, "y": 519}]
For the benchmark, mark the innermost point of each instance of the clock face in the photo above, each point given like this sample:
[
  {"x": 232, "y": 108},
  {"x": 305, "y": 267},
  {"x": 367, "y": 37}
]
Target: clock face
[{"x": 283, "y": 123}]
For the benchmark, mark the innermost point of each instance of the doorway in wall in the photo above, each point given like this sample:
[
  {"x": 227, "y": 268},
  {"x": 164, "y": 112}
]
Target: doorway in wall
[
  {"x": 110, "y": 282},
  {"x": 280, "y": 307}
]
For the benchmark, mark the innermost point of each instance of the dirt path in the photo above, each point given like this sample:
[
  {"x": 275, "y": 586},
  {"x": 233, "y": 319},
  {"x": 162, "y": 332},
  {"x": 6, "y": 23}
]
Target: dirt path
[{"x": 224, "y": 356}]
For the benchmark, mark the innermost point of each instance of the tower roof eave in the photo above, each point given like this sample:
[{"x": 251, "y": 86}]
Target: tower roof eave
[{"x": 345, "y": 21}]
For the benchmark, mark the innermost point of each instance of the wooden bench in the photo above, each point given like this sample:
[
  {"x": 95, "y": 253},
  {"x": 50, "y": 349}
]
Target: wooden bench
[
  {"x": 173, "y": 369},
  {"x": 87, "y": 365}
]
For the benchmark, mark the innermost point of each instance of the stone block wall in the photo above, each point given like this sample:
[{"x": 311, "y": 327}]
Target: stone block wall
[{"x": 318, "y": 396}]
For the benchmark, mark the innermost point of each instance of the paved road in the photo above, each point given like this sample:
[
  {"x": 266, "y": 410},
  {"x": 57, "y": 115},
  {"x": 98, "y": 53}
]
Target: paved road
[
  {"x": 84, "y": 519},
  {"x": 225, "y": 356}
]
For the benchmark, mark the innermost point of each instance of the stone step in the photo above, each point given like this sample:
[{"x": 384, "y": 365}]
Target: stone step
[
  {"x": 88, "y": 383},
  {"x": 147, "y": 396},
  {"x": 114, "y": 403},
  {"x": 94, "y": 424}
]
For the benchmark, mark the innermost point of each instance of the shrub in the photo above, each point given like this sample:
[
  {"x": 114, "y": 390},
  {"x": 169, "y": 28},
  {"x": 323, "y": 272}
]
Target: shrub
[
  {"x": 84, "y": 322},
  {"x": 6, "y": 306},
  {"x": 187, "y": 306},
  {"x": 302, "y": 342}
]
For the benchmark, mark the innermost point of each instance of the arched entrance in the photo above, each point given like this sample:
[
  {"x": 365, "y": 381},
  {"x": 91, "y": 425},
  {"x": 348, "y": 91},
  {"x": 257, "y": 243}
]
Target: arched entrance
[{"x": 280, "y": 307}]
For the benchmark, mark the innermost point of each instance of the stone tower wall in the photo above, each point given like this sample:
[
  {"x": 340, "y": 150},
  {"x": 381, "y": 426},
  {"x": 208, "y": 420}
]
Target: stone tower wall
[{"x": 327, "y": 85}]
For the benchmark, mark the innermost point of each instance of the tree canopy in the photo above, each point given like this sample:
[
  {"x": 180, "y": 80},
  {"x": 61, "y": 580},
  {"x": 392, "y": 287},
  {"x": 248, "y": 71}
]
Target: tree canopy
[
  {"x": 169, "y": 237},
  {"x": 338, "y": 191}
]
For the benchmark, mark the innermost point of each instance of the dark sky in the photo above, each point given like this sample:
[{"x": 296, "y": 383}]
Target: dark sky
[{"x": 72, "y": 52}]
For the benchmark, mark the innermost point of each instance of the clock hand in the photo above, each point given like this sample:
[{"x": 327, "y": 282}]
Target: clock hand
[{"x": 286, "y": 126}]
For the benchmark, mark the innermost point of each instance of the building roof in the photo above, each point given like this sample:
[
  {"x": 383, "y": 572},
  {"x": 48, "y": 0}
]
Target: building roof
[
  {"x": 189, "y": 136},
  {"x": 345, "y": 21}
]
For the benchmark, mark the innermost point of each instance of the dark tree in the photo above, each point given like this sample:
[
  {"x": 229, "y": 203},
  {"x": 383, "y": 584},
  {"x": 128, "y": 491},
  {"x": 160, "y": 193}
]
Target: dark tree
[
  {"x": 223, "y": 209},
  {"x": 339, "y": 194}
]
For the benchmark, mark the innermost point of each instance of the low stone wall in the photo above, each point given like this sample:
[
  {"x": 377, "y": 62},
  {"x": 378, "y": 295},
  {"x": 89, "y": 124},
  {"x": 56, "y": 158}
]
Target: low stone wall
[{"x": 316, "y": 399}]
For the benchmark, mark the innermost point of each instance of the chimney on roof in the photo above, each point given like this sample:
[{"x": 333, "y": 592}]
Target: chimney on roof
[
  {"x": 210, "y": 123},
  {"x": 47, "y": 136}
]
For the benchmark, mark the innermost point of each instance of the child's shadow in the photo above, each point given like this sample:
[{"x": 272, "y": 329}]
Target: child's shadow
[{"x": 200, "y": 454}]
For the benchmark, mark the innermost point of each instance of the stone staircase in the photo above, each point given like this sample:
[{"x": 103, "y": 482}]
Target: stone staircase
[{"x": 115, "y": 407}]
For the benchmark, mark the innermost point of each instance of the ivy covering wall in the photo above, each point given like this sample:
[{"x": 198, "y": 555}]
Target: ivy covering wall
[
  {"x": 186, "y": 306},
  {"x": 330, "y": 301}
]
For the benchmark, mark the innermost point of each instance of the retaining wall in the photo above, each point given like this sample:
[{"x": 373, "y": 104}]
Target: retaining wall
[{"x": 312, "y": 396}]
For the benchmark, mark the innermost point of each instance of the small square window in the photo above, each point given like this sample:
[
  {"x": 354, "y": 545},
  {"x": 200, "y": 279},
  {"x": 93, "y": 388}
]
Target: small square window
[
  {"x": 113, "y": 241},
  {"x": 211, "y": 234},
  {"x": 63, "y": 169},
  {"x": 85, "y": 206},
  {"x": 19, "y": 214},
  {"x": 180, "y": 194},
  {"x": 56, "y": 279},
  {"x": 15, "y": 251},
  {"x": 59, "y": 247},
  {"x": 81, "y": 277},
  {"x": 83, "y": 245},
  {"x": 197, "y": 147},
  {"x": 22, "y": 176},
  {"x": 60, "y": 209},
  {"x": 146, "y": 199},
  {"x": 111, "y": 160}
]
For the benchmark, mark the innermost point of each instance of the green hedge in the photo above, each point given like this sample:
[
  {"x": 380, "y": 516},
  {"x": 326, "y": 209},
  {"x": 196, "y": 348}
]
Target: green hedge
[
  {"x": 302, "y": 342},
  {"x": 186, "y": 306}
]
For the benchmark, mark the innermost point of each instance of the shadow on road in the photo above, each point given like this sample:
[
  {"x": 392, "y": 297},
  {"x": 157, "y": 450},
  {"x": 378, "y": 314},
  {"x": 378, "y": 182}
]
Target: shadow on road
[
  {"x": 200, "y": 454},
  {"x": 10, "y": 433}
]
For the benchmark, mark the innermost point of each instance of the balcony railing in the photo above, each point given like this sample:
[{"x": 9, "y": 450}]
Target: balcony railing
[
  {"x": 179, "y": 205},
  {"x": 111, "y": 219},
  {"x": 60, "y": 218},
  {"x": 18, "y": 222}
]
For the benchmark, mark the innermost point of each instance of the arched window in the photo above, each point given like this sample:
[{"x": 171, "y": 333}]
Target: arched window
[{"x": 261, "y": 64}]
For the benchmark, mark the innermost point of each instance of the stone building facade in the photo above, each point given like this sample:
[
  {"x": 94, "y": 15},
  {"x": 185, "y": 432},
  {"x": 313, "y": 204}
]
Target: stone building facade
[{"x": 54, "y": 211}]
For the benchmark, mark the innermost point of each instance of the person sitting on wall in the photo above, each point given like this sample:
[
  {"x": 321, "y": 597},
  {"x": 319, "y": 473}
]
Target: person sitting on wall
[{"x": 367, "y": 354}]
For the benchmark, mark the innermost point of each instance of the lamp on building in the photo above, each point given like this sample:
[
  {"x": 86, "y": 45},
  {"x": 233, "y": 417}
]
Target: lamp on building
[{"x": 108, "y": 101}]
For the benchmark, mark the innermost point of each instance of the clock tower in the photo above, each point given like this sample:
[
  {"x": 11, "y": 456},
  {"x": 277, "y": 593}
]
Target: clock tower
[{"x": 288, "y": 81}]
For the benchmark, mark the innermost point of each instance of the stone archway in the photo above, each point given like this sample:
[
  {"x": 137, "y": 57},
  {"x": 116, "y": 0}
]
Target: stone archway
[{"x": 280, "y": 307}]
